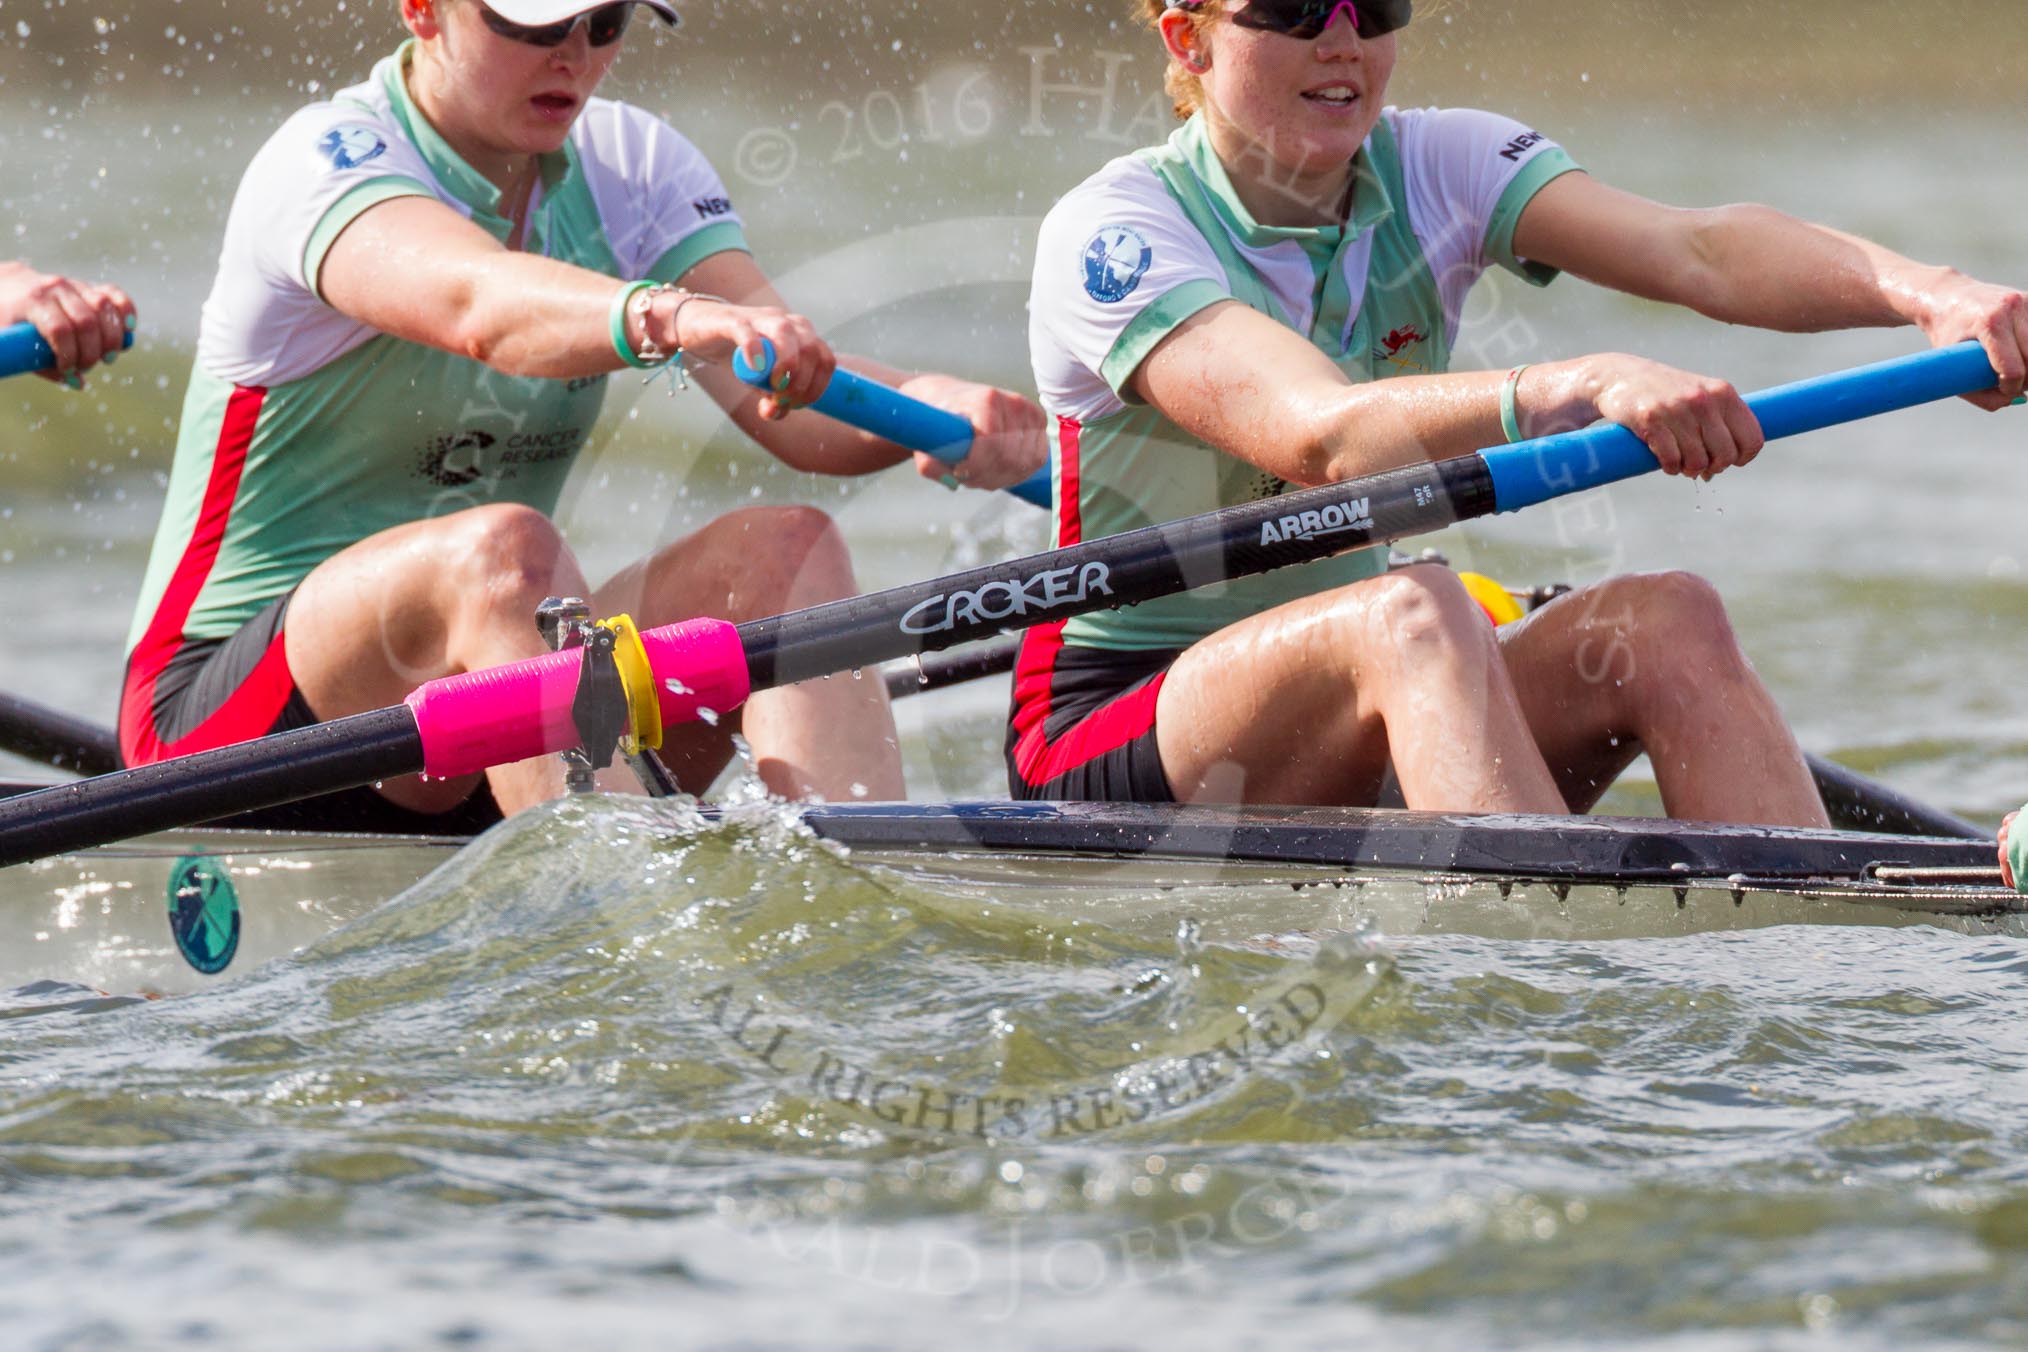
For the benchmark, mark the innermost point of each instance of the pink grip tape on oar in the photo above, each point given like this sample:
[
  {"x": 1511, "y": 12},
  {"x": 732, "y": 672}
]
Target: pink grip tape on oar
[
  {"x": 515, "y": 712},
  {"x": 699, "y": 664}
]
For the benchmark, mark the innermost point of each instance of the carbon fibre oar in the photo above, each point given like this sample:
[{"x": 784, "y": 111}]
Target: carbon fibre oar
[
  {"x": 56, "y": 738},
  {"x": 463, "y": 724},
  {"x": 23, "y": 350}
]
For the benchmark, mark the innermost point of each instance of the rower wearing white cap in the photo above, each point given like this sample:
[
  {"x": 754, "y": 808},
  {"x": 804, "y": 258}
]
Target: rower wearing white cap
[{"x": 424, "y": 283}]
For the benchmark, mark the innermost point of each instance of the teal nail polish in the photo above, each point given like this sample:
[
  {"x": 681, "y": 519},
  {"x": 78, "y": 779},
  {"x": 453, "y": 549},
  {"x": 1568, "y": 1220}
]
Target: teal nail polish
[
  {"x": 72, "y": 380},
  {"x": 2019, "y": 401},
  {"x": 130, "y": 323},
  {"x": 949, "y": 481},
  {"x": 111, "y": 357}
]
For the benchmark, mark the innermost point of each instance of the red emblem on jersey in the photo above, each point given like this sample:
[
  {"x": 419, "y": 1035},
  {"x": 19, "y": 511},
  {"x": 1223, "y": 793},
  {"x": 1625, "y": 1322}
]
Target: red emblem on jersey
[{"x": 1401, "y": 338}]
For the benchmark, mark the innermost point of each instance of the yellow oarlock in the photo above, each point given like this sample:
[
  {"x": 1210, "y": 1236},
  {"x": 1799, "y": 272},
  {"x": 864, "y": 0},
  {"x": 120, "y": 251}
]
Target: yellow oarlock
[
  {"x": 637, "y": 678},
  {"x": 1498, "y": 603}
]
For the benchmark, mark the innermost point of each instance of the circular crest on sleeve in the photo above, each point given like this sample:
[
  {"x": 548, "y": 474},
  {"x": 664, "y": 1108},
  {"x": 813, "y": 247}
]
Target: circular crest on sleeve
[{"x": 1114, "y": 262}]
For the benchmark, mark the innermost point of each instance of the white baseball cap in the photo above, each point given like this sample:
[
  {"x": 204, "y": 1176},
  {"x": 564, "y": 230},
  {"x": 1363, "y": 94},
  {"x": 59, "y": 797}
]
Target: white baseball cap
[{"x": 536, "y": 13}]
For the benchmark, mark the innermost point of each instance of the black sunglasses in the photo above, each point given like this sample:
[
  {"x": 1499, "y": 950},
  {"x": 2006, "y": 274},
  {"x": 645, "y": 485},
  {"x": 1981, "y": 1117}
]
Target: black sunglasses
[
  {"x": 1307, "y": 19},
  {"x": 602, "y": 26}
]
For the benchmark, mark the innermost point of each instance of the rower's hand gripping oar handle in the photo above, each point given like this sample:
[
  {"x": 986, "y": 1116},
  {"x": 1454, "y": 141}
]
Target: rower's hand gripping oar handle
[
  {"x": 1532, "y": 472},
  {"x": 23, "y": 350},
  {"x": 873, "y": 407}
]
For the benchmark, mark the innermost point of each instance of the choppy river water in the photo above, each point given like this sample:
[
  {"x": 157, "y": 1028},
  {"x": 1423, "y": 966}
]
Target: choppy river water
[{"x": 518, "y": 1107}]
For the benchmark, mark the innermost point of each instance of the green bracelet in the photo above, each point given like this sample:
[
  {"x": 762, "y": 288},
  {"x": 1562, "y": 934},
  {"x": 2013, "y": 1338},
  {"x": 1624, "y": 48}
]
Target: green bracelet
[
  {"x": 1510, "y": 420},
  {"x": 617, "y": 319}
]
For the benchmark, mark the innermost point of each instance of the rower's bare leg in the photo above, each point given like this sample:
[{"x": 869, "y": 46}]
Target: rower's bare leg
[
  {"x": 831, "y": 737},
  {"x": 456, "y": 593},
  {"x": 1309, "y": 702},
  {"x": 424, "y": 600},
  {"x": 1649, "y": 662}
]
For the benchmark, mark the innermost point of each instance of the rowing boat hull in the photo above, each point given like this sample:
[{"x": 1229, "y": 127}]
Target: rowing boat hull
[{"x": 101, "y": 917}]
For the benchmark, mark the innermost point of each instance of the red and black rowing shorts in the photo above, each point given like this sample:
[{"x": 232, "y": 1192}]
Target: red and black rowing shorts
[
  {"x": 1082, "y": 727},
  {"x": 196, "y": 694}
]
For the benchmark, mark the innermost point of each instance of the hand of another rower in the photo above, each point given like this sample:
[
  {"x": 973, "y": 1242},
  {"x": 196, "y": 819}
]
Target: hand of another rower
[
  {"x": 1696, "y": 425},
  {"x": 84, "y": 323},
  {"x": 712, "y": 330},
  {"x": 1961, "y": 308},
  {"x": 1009, "y": 440}
]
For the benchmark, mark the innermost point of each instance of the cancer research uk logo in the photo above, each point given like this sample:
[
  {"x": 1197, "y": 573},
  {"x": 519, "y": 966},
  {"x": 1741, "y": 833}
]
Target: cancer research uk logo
[
  {"x": 1114, "y": 263},
  {"x": 351, "y": 146}
]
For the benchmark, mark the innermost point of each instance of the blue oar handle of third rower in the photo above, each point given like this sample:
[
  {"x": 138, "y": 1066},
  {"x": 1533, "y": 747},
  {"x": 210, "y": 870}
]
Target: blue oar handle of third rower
[
  {"x": 22, "y": 350},
  {"x": 873, "y": 407},
  {"x": 1531, "y": 472}
]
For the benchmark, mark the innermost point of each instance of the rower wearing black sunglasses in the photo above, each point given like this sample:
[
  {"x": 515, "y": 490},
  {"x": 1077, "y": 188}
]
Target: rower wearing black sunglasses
[
  {"x": 425, "y": 282},
  {"x": 602, "y": 26},
  {"x": 1271, "y": 299}
]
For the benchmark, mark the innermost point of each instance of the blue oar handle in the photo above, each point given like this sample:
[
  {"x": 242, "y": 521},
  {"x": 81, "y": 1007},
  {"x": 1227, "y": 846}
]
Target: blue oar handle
[
  {"x": 1531, "y": 472},
  {"x": 886, "y": 412},
  {"x": 22, "y": 350}
]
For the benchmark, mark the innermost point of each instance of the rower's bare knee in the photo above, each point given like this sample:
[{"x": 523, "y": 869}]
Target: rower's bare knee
[
  {"x": 790, "y": 555},
  {"x": 1429, "y": 616},
  {"x": 1666, "y": 638},
  {"x": 1682, "y": 623},
  {"x": 507, "y": 558}
]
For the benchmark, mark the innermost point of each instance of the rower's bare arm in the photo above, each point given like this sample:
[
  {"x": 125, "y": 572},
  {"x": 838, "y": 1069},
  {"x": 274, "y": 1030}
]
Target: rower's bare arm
[
  {"x": 461, "y": 290},
  {"x": 1258, "y": 390},
  {"x": 1009, "y": 438},
  {"x": 1751, "y": 264},
  {"x": 413, "y": 268}
]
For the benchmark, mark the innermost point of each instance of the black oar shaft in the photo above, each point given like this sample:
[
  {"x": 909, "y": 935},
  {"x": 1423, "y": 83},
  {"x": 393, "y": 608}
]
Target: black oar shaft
[
  {"x": 342, "y": 754},
  {"x": 947, "y": 669},
  {"x": 1857, "y": 803},
  {"x": 56, "y": 738},
  {"x": 1118, "y": 570}
]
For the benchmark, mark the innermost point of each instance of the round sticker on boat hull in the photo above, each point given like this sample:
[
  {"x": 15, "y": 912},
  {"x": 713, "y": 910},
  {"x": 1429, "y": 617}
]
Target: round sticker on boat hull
[{"x": 203, "y": 913}]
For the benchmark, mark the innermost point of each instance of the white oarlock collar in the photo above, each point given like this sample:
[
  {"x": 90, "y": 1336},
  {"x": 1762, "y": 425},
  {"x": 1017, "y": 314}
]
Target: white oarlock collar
[{"x": 535, "y": 13}]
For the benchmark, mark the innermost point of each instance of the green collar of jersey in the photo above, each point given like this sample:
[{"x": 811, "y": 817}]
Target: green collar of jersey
[
  {"x": 464, "y": 182},
  {"x": 1371, "y": 203}
]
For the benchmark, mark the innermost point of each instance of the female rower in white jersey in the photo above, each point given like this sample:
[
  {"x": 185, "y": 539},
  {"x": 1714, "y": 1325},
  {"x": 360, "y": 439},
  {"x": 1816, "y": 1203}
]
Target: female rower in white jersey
[
  {"x": 424, "y": 283},
  {"x": 1229, "y": 314},
  {"x": 83, "y": 322}
]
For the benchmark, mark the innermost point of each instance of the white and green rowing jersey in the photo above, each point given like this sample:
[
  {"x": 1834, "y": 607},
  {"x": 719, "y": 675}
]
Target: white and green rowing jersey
[
  {"x": 1156, "y": 236},
  {"x": 305, "y": 431}
]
